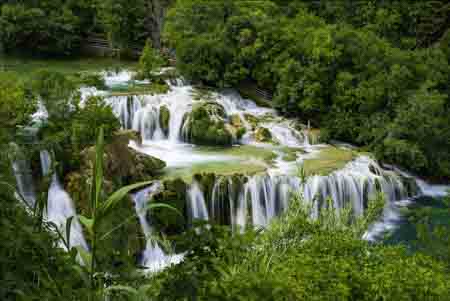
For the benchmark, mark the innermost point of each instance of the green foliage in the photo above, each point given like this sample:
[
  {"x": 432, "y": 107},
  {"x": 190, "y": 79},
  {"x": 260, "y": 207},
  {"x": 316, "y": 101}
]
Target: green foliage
[
  {"x": 33, "y": 267},
  {"x": 433, "y": 229},
  {"x": 50, "y": 27},
  {"x": 345, "y": 66},
  {"x": 123, "y": 21},
  {"x": 92, "y": 80},
  {"x": 70, "y": 127},
  {"x": 209, "y": 116},
  {"x": 298, "y": 258},
  {"x": 149, "y": 62},
  {"x": 16, "y": 106},
  {"x": 101, "y": 208}
]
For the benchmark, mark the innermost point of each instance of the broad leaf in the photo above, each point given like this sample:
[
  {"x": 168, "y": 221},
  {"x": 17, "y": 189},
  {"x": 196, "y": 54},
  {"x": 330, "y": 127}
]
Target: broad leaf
[
  {"x": 99, "y": 166},
  {"x": 87, "y": 222},
  {"x": 119, "y": 195},
  {"x": 151, "y": 206},
  {"x": 86, "y": 257}
]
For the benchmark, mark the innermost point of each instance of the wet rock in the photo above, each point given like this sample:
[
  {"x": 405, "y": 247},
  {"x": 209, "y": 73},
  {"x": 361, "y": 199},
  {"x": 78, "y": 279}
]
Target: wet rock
[
  {"x": 170, "y": 222},
  {"x": 205, "y": 125},
  {"x": 164, "y": 118},
  {"x": 263, "y": 135}
]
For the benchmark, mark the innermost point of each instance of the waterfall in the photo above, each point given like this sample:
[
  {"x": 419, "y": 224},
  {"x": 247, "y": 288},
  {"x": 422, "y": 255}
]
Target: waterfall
[
  {"x": 24, "y": 180},
  {"x": 263, "y": 197},
  {"x": 60, "y": 206},
  {"x": 153, "y": 257},
  {"x": 142, "y": 113},
  {"x": 196, "y": 202},
  {"x": 286, "y": 135}
]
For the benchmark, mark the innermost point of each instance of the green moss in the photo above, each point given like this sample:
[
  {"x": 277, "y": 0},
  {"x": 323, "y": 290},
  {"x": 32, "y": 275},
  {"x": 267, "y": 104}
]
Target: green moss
[
  {"x": 202, "y": 93},
  {"x": 26, "y": 67},
  {"x": 206, "y": 125},
  {"x": 263, "y": 135},
  {"x": 314, "y": 136},
  {"x": 290, "y": 153},
  {"x": 243, "y": 152},
  {"x": 90, "y": 79},
  {"x": 218, "y": 168},
  {"x": 139, "y": 89},
  {"x": 328, "y": 160},
  {"x": 252, "y": 120},
  {"x": 173, "y": 194},
  {"x": 164, "y": 119}
]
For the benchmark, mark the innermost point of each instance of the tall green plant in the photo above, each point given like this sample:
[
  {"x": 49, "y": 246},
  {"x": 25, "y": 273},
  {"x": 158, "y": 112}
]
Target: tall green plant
[{"x": 101, "y": 208}]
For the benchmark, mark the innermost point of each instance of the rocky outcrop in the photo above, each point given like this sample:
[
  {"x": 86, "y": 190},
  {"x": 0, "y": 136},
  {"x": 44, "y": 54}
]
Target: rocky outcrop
[
  {"x": 122, "y": 166},
  {"x": 263, "y": 135},
  {"x": 164, "y": 119},
  {"x": 173, "y": 193},
  {"x": 205, "y": 125}
]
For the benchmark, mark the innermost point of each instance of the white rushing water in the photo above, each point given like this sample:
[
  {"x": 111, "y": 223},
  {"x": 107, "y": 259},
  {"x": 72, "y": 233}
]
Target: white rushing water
[
  {"x": 243, "y": 201},
  {"x": 24, "y": 180},
  {"x": 60, "y": 207},
  {"x": 153, "y": 257},
  {"x": 262, "y": 197},
  {"x": 196, "y": 201}
]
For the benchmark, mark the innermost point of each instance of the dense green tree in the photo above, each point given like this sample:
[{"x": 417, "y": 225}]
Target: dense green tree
[
  {"x": 344, "y": 66},
  {"x": 149, "y": 62},
  {"x": 40, "y": 26}
]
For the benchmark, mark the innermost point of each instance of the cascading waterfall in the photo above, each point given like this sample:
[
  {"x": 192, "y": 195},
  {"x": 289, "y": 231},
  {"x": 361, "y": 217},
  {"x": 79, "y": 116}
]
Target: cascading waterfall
[
  {"x": 24, "y": 180},
  {"x": 153, "y": 257},
  {"x": 196, "y": 202},
  {"x": 60, "y": 207},
  {"x": 286, "y": 135},
  {"x": 263, "y": 197},
  {"x": 143, "y": 113}
]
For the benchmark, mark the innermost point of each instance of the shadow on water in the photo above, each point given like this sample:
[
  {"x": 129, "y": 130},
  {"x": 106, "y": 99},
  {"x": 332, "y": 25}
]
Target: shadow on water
[{"x": 424, "y": 210}]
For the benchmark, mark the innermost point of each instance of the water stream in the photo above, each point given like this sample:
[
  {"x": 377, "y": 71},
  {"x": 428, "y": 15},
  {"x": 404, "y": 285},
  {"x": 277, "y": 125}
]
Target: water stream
[
  {"x": 153, "y": 257},
  {"x": 247, "y": 200}
]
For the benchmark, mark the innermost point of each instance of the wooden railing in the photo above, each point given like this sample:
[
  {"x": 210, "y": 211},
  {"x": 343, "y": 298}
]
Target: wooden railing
[
  {"x": 98, "y": 42},
  {"x": 263, "y": 93}
]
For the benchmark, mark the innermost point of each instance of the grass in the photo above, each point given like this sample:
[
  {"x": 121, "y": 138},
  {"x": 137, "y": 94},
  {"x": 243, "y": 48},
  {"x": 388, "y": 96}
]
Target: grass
[
  {"x": 218, "y": 168},
  {"x": 25, "y": 67},
  {"x": 139, "y": 89},
  {"x": 290, "y": 153},
  {"x": 244, "y": 152},
  {"x": 328, "y": 160},
  {"x": 249, "y": 160}
]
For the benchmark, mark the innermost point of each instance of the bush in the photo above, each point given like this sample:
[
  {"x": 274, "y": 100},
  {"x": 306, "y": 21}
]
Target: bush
[{"x": 149, "y": 62}]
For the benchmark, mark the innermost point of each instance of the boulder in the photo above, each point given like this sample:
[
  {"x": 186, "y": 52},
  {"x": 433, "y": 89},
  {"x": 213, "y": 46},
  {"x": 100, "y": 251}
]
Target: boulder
[
  {"x": 164, "y": 219},
  {"x": 164, "y": 119},
  {"x": 205, "y": 125},
  {"x": 123, "y": 164},
  {"x": 262, "y": 134}
]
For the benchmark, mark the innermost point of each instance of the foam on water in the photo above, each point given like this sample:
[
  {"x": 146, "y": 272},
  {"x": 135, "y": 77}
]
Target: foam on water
[{"x": 153, "y": 258}]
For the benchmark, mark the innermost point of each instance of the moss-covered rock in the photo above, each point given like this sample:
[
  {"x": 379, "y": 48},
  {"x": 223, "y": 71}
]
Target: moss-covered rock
[
  {"x": 236, "y": 126},
  {"x": 173, "y": 193},
  {"x": 252, "y": 120},
  {"x": 262, "y": 134},
  {"x": 122, "y": 164},
  {"x": 236, "y": 121},
  {"x": 205, "y": 125},
  {"x": 164, "y": 119}
]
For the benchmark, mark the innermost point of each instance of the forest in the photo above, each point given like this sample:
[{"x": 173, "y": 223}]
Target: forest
[{"x": 225, "y": 150}]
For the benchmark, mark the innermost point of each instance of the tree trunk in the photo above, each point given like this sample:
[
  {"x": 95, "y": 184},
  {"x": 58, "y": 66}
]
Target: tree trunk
[{"x": 155, "y": 20}]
